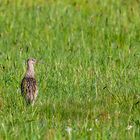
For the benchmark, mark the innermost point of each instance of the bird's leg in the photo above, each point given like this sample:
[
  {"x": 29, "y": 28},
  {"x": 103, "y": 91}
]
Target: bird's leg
[{"x": 33, "y": 103}]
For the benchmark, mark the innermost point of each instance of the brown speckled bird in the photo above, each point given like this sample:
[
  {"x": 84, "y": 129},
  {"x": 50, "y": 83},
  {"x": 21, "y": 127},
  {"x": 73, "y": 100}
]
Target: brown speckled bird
[{"x": 29, "y": 88}]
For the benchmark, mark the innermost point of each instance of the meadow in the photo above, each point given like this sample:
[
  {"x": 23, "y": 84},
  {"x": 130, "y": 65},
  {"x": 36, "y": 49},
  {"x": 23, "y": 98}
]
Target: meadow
[{"x": 89, "y": 78}]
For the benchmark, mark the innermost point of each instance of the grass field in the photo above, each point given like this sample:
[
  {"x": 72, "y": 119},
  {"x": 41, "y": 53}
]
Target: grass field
[{"x": 89, "y": 81}]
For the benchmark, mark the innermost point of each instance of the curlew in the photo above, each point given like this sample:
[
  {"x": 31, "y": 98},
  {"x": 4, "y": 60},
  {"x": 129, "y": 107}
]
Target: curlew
[{"x": 29, "y": 88}]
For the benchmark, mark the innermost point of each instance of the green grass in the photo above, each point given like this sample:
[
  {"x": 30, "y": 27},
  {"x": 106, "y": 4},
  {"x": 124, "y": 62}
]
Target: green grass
[{"x": 89, "y": 82}]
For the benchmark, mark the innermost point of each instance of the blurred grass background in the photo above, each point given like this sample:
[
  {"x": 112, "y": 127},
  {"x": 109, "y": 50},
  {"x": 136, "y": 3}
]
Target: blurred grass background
[{"x": 89, "y": 82}]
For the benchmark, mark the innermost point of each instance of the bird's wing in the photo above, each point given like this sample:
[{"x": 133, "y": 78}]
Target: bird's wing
[
  {"x": 29, "y": 89},
  {"x": 23, "y": 86}
]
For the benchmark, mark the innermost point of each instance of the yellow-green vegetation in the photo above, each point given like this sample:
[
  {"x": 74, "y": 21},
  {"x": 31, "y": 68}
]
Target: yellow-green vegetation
[{"x": 89, "y": 81}]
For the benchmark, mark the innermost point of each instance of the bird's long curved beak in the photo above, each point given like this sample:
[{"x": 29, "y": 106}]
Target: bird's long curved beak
[{"x": 40, "y": 62}]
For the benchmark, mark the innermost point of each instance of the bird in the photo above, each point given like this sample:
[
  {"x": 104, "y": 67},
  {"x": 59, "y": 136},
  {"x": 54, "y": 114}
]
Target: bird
[{"x": 29, "y": 88}]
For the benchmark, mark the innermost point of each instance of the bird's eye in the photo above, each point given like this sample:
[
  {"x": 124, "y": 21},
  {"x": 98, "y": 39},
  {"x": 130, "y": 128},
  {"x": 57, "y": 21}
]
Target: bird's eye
[{"x": 33, "y": 60}]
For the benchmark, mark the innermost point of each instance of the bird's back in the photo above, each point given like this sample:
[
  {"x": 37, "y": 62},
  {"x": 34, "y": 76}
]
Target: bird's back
[{"x": 29, "y": 89}]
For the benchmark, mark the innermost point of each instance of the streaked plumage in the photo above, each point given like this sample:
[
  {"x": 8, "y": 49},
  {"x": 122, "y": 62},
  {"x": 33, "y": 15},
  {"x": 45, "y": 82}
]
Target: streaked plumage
[{"x": 29, "y": 88}]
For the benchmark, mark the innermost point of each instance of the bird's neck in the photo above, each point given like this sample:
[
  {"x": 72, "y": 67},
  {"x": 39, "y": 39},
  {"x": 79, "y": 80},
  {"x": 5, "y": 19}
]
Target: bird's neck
[{"x": 30, "y": 71}]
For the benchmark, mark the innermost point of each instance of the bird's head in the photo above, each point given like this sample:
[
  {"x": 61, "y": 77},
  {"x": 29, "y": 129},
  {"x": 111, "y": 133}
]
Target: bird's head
[{"x": 31, "y": 61}]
